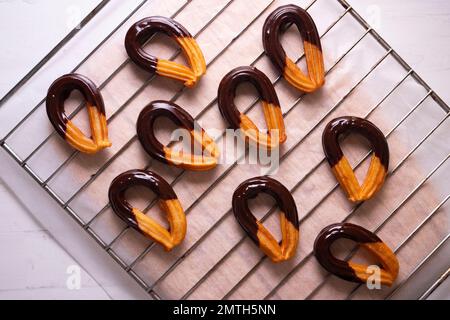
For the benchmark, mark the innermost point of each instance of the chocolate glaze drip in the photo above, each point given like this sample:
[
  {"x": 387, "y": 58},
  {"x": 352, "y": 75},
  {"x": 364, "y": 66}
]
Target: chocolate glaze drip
[
  {"x": 249, "y": 189},
  {"x": 229, "y": 84},
  {"x": 61, "y": 89},
  {"x": 142, "y": 30},
  {"x": 338, "y": 126},
  {"x": 146, "y": 121},
  {"x": 133, "y": 178},
  {"x": 277, "y": 22},
  {"x": 322, "y": 247}
]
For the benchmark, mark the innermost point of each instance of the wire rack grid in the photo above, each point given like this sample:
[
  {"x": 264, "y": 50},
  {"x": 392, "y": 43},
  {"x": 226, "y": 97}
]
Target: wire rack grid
[{"x": 131, "y": 265}]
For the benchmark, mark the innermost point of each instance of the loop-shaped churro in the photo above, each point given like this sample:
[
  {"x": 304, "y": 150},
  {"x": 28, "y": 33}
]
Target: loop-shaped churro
[
  {"x": 189, "y": 161},
  {"x": 277, "y": 22},
  {"x": 144, "y": 29},
  {"x": 271, "y": 107},
  {"x": 58, "y": 93},
  {"x": 377, "y": 171},
  {"x": 256, "y": 230},
  {"x": 144, "y": 224},
  {"x": 352, "y": 271}
]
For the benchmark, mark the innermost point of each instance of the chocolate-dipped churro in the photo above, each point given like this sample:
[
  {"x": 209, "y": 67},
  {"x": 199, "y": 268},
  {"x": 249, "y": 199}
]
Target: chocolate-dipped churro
[
  {"x": 144, "y": 29},
  {"x": 58, "y": 93},
  {"x": 277, "y": 22},
  {"x": 271, "y": 107},
  {"x": 256, "y": 230},
  {"x": 189, "y": 161},
  {"x": 348, "y": 270},
  {"x": 340, "y": 165},
  {"x": 136, "y": 219}
]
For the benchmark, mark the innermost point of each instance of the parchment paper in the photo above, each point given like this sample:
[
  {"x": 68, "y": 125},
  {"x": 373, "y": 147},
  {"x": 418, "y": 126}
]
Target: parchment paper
[{"x": 304, "y": 123}]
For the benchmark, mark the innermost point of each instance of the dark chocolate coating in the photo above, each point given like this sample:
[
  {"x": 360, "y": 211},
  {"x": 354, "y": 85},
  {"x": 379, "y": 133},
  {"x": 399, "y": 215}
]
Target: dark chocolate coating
[
  {"x": 143, "y": 30},
  {"x": 130, "y": 179},
  {"x": 146, "y": 121},
  {"x": 338, "y": 126},
  {"x": 277, "y": 22},
  {"x": 61, "y": 89},
  {"x": 249, "y": 189},
  {"x": 229, "y": 84},
  {"x": 322, "y": 247}
]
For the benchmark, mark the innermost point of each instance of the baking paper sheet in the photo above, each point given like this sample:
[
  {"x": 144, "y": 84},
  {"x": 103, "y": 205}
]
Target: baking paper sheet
[{"x": 305, "y": 121}]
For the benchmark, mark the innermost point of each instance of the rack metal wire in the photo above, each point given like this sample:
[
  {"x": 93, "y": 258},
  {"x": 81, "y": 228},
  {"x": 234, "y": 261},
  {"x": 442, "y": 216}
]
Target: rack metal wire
[
  {"x": 55, "y": 50},
  {"x": 177, "y": 260},
  {"x": 435, "y": 285}
]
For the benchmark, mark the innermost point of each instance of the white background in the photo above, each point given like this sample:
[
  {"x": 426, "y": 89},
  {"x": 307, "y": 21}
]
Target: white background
[{"x": 36, "y": 265}]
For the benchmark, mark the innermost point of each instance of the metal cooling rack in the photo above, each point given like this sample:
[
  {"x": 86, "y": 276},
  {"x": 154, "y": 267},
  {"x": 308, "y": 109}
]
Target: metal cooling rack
[{"x": 129, "y": 267}]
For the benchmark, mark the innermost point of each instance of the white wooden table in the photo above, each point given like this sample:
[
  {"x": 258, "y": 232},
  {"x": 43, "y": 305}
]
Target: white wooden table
[{"x": 37, "y": 265}]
